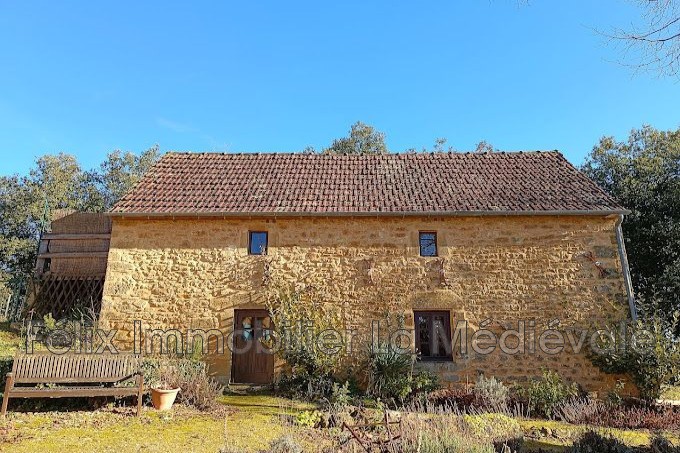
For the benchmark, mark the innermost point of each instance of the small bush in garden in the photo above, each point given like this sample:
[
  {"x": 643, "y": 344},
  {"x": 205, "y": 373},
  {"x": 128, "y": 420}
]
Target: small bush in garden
[
  {"x": 447, "y": 442},
  {"x": 285, "y": 444},
  {"x": 340, "y": 395},
  {"x": 592, "y": 442},
  {"x": 546, "y": 394},
  {"x": 441, "y": 434},
  {"x": 491, "y": 392},
  {"x": 461, "y": 399},
  {"x": 637, "y": 417},
  {"x": 578, "y": 410},
  {"x": 662, "y": 445},
  {"x": 614, "y": 397},
  {"x": 5, "y": 367},
  {"x": 308, "y": 419},
  {"x": 425, "y": 382},
  {"x": 301, "y": 384},
  {"x": 197, "y": 388},
  {"x": 653, "y": 362},
  {"x": 390, "y": 373},
  {"x": 311, "y": 370}
]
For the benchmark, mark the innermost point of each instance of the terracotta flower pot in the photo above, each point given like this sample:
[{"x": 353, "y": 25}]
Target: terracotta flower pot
[{"x": 163, "y": 399}]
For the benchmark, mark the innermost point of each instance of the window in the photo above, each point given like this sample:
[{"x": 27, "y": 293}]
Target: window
[
  {"x": 433, "y": 335},
  {"x": 257, "y": 243},
  {"x": 428, "y": 243}
]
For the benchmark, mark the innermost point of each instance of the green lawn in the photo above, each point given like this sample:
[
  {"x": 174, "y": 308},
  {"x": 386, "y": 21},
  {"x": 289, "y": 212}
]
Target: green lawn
[{"x": 248, "y": 423}]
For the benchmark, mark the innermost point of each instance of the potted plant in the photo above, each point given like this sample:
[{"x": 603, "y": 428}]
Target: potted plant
[{"x": 163, "y": 395}]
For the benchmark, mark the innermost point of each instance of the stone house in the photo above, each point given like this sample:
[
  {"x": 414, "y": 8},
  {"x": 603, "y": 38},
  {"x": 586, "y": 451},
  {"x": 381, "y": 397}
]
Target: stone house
[{"x": 483, "y": 241}]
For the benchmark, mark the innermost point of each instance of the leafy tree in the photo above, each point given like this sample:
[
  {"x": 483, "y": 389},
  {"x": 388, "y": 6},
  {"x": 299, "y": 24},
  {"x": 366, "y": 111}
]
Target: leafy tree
[
  {"x": 58, "y": 182},
  {"x": 362, "y": 139},
  {"x": 115, "y": 176},
  {"x": 643, "y": 173},
  {"x": 485, "y": 147}
]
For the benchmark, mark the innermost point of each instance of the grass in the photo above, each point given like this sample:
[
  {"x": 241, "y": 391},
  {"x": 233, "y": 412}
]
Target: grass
[
  {"x": 109, "y": 431},
  {"x": 10, "y": 341},
  {"x": 555, "y": 435},
  {"x": 248, "y": 423},
  {"x": 264, "y": 404},
  {"x": 672, "y": 393}
]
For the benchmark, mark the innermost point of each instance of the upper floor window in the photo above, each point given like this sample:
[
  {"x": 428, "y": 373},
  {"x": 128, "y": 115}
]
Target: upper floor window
[
  {"x": 257, "y": 243},
  {"x": 428, "y": 243}
]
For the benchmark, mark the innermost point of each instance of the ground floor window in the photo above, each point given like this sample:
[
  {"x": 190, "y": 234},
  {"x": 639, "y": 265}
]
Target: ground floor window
[{"x": 433, "y": 335}]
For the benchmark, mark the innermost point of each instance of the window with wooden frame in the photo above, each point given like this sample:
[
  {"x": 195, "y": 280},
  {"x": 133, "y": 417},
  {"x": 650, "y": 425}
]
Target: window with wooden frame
[
  {"x": 428, "y": 243},
  {"x": 257, "y": 242},
  {"x": 433, "y": 335}
]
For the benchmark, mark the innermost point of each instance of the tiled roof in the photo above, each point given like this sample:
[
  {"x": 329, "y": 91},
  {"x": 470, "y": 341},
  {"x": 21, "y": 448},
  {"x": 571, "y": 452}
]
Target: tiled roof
[{"x": 299, "y": 184}]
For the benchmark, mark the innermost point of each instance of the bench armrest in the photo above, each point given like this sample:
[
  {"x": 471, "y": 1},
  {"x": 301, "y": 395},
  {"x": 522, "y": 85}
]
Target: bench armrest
[{"x": 9, "y": 382}]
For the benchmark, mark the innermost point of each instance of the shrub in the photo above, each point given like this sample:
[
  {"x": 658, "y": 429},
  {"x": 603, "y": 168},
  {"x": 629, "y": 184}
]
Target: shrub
[
  {"x": 425, "y": 382},
  {"x": 546, "y": 394},
  {"x": 662, "y": 445},
  {"x": 653, "y": 362},
  {"x": 301, "y": 384},
  {"x": 491, "y": 392},
  {"x": 5, "y": 367},
  {"x": 308, "y": 419},
  {"x": 340, "y": 395},
  {"x": 390, "y": 373},
  {"x": 640, "y": 417},
  {"x": 284, "y": 444},
  {"x": 299, "y": 314},
  {"x": 578, "y": 410},
  {"x": 439, "y": 435},
  {"x": 592, "y": 442},
  {"x": 461, "y": 399},
  {"x": 448, "y": 442},
  {"x": 197, "y": 388},
  {"x": 591, "y": 412}
]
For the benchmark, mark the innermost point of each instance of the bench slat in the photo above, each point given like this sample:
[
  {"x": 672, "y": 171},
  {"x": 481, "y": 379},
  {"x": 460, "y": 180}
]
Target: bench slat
[
  {"x": 44, "y": 368},
  {"x": 75, "y": 392}
]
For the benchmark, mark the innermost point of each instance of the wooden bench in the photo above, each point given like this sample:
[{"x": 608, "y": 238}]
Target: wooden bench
[{"x": 71, "y": 375}]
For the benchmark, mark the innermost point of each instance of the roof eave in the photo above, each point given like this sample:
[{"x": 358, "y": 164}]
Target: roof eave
[{"x": 603, "y": 212}]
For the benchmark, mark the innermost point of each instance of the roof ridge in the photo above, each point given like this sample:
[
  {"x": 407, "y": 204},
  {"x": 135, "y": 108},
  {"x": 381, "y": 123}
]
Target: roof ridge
[{"x": 401, "y": 153}]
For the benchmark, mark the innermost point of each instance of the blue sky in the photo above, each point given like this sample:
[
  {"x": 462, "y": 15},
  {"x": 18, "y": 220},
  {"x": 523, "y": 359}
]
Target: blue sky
[{"x": 87, "y": 78}]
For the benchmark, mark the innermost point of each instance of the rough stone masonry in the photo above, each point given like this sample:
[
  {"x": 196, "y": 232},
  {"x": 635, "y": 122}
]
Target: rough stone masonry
[{"x": 194, "y": 272}]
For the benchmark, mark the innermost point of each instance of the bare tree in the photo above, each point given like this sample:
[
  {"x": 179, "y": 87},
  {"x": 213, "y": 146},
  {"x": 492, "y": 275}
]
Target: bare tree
[{"x": 654, "y": 43}]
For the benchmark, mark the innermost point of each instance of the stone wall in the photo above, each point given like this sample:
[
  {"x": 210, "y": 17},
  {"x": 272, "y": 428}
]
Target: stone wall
[{"x": 193, "y": 273}]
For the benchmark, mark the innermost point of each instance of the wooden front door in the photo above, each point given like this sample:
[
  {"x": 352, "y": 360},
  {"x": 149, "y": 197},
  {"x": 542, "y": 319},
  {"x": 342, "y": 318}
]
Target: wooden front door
[{"x": 252, "y": 363}]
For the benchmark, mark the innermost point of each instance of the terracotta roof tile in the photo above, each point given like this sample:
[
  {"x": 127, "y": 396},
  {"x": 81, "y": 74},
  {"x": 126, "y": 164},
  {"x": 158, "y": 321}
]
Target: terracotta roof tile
[{"x": 439, "y": 183}]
